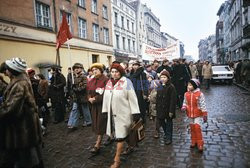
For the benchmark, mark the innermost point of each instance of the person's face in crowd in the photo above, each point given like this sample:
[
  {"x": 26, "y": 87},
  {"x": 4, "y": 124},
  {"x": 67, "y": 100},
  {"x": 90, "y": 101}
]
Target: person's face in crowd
[
  {"x": 135, "y": 67},
  {"x": 77, "y": 70},
  {"x": 125, "y": 66},
  {"x": 149, "y": 68},
  {"x": 156, "y": 64},
  {"x": 115, "y": 74},
  {"x": 166, "y": 63},
  {"x": 69, "y": 70},
  {"x": 150, "y": 79},
  {"x": 190, "y": 87},
  {"x": 96, "y": 72},
  {"x": 206, "y": 63},
  {"x": 90, "y": 73},
  {"x": 191, "y": 63},
  {"x": 164, "y": 79}
]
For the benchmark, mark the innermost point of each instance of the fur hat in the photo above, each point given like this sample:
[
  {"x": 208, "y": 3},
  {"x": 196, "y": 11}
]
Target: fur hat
[
  {"x": 195, "y": 83},
  {"x": 166, "y": 73},
  {"x": 77, "y": 65},
  {"x": 98, "y": 66},
  {"x": 16, "y": 64},
  {"x": 118, "y": 67}
]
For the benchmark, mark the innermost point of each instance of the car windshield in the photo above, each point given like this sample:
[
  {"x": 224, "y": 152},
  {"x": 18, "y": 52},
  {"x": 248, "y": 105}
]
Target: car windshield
[{"x": 221, "y": 68}]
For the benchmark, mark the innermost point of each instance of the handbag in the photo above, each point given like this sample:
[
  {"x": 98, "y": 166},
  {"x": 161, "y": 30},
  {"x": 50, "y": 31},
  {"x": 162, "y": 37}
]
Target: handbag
[{"x": 137, "y": 131}]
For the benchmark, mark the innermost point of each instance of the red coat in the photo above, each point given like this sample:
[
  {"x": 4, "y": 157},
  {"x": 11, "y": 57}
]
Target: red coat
[{"x": 194, "y": 104}]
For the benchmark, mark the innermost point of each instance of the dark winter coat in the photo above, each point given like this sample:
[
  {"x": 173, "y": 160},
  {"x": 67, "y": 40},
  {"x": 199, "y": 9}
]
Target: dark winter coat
[
  {"x": 80, "y": 89},
  {"x": 165, "y": 101},
  {"x": 99, "y": 120},
  {"x": 3, "y": 86},
  {"x": 19, "y": 121},
  {"x": 56, "y": 89},
  {"x": 179, "y": 78},
  {"x": 43, "y": 88},
  {"x": 140, "y": 84}
]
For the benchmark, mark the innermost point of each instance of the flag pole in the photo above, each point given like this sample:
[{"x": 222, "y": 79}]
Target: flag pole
[{"x": 70, "y": 61}]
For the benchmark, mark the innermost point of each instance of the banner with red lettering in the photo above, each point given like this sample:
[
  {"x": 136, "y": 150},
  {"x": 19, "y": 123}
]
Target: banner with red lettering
[{"x": 151, "y": 53}]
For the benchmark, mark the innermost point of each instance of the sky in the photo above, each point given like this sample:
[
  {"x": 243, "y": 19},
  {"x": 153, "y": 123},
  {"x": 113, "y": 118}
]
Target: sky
[{"x": 187, "y": 20}]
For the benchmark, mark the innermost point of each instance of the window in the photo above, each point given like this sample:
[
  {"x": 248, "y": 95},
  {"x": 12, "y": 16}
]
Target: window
[
  {"x": 105, "y": 12},
  {"x": 95, "y": 30},
  {"x": 128, "y": 24},
  {"x": 122, "y": 19},
  {"x": 129, "y": 45},
  {"x": 95, "y": 58},
  {"x": 123, "y": 43},
  {"x": 43, "y": 15},
  {"x": 68, "y": 17},
  {"x": 117, "y": 42},
  {"x": 115, "y": 2},
  {"x": 82, "y": 26},
  {"x": 116, "y": 18},
  {"x": 133, "y": 45},
  {"x": 81, "y": 3},
  {"x": 133, "y": 28},
  {"x": 106, "y": 35},
  {"x": 94, "y": 6}
]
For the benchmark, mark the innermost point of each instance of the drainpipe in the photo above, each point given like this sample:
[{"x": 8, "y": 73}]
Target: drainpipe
[{"x": 56, "y": 30}]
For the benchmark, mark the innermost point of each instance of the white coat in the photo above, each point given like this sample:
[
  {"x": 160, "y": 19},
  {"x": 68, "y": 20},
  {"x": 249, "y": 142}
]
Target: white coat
[{"x": 123, "y": 101}]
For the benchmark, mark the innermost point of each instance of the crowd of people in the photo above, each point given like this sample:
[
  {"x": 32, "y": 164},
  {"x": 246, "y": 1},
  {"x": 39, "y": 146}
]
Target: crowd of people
[{"x": 109, "y": 100}]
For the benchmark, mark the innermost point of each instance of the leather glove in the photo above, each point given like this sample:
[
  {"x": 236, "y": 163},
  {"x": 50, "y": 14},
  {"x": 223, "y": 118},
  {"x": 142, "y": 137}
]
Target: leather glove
[
  {"x": 205, "y": 119},
  {"x": 136, "y": 117},
  {"x": 171, "y": 115}
]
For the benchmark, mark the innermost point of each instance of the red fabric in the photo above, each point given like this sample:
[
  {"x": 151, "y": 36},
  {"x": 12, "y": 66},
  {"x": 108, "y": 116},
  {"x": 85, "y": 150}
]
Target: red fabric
[
  {"x": 192, "y": 104},
  {"x": 64, "y": 33}
]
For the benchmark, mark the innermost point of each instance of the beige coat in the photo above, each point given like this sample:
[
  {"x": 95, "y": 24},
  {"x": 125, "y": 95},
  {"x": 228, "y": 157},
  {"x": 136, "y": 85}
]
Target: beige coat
[
  {"x": 121, "y": 102},
  {"x": 207, "y": 71},
  {"x": 193, "y": 70}
]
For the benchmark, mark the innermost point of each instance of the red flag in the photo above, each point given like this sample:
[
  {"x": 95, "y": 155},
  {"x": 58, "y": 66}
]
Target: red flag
[{"x": 64, "y": 33}]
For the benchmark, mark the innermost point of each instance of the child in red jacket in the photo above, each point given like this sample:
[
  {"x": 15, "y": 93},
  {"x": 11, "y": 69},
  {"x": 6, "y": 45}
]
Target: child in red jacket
[{"x": 195, "y": 107}]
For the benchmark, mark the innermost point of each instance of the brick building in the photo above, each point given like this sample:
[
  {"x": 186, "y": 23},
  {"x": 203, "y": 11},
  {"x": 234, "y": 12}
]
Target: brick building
[{"x": 28, "y": 30}]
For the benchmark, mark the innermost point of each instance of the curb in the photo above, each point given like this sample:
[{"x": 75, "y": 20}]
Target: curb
[{"x": 242, "y": 87}]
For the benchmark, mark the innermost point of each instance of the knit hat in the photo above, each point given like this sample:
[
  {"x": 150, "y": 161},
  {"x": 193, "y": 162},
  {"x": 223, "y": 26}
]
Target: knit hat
[
  {"x": 118, "y": 67},
  {"x": 166, "y": 73},
  {"x": 195, "y": 83},
  {"x": 77, "y": 65},
  {"x": 98, "y": 66},
  {"x": 16, "y": 64}
]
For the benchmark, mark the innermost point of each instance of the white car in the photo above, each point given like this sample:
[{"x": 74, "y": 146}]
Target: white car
[{"x": 222, "y": 73}]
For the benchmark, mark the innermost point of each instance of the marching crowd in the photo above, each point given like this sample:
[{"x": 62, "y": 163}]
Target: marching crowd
[{"x": 109, "y": 100}]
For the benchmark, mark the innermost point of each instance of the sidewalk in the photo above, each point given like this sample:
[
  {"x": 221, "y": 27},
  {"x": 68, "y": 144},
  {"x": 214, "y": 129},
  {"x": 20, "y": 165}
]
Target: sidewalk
[{"x": 241, "y": 86}]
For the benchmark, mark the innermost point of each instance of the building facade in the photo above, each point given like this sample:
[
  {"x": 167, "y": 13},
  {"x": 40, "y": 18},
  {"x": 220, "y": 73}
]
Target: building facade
[
  {"x": 124, "y": 30},
  {"x": 246, "y": 29},
  {"x": 203, "y": 49},
  {"x": 164, "y": 40},
  {"x": 29, "y": 29}
]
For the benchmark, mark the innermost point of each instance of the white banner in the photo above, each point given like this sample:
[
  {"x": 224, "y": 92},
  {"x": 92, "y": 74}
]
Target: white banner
[{"x": 151, "y": 53}]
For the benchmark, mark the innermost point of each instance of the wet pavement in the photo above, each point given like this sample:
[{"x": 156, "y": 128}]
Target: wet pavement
[{"x": 226, "y": 136}]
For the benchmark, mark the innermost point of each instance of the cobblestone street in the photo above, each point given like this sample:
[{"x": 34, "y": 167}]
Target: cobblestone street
[{"x": 226, "y": 138}]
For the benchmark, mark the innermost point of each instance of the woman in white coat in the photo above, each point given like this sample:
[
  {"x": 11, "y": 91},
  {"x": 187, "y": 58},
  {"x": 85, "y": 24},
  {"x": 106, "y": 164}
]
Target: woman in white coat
[{"x": 121, "y": 104}]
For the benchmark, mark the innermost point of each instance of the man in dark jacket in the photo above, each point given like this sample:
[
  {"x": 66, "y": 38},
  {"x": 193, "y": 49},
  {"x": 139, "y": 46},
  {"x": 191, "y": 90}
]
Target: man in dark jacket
[
  {"x": 165, "y": 65},
  {"x": 56, "y": 92},
  {"x": 140, "y": 84}
]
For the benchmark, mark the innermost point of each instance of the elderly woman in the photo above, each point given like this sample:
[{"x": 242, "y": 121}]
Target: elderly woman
[
  {"x": 95, "y": 89},
  {"x": 120, "y": 103},
  {"x": 20, "y": 131}
]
